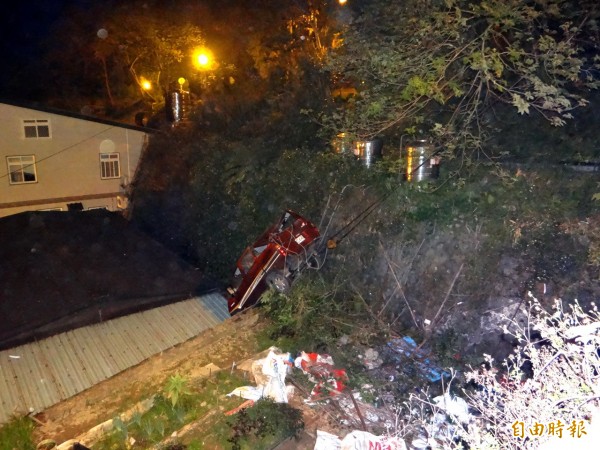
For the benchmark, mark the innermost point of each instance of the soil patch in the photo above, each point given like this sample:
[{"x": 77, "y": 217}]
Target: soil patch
[{"x": 230, "y": 342}]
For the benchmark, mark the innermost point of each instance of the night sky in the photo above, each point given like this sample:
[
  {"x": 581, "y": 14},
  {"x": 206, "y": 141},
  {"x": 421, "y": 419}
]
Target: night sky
[{"x": 24, "y": 26}]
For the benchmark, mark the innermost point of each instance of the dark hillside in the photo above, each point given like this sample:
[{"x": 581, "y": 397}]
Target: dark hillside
[{"x": 501, "y": 226}]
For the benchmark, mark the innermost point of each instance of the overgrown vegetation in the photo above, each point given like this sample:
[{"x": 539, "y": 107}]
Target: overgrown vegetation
[
  {"x": 550, "y": 379},
  {"x": 235, "y": 192},
  {"x": 203, "y": 401},
  {"x": 444, "y": 66},
  {"x": 544, "y": 395},
  {"x": 316, "y": 314},
  {"x": 17, "y": 434},
  {"x": 265, "y": 422}
]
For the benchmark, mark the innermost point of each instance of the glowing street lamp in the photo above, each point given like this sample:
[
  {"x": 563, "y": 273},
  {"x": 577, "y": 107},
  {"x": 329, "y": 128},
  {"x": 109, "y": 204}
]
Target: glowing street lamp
[
  {"x": 145, "y": 84},
  {"x": 203, "y": 59}
]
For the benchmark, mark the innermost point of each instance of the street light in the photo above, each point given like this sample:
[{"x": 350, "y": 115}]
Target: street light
[
  {"x": 203, "y": 58},
  {"x": 145, "y": 84}
]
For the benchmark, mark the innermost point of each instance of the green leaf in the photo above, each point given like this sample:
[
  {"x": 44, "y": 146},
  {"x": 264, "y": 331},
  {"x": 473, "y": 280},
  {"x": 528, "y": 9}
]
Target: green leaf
[{"x": 520, "y": 103}]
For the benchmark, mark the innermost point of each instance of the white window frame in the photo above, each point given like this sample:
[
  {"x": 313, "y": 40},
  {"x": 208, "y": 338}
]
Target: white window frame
[
  {"x": 17, "y": 165},
  {"x": 36, "y": 129},
  {"x": 110, "y": 166}
]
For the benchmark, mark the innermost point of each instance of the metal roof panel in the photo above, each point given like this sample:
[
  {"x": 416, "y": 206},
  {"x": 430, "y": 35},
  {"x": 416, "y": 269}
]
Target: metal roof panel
[{"x": 40, "y": 374}]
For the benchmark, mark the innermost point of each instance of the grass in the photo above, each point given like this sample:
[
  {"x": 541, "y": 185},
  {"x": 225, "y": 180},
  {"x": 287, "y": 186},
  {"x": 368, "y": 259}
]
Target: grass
[
  {"x": 200, "y": 407},
  {"x": 265, "y": 424},
  {"x": 202, "y": 401},
  {"x": 17, "y": 434}
]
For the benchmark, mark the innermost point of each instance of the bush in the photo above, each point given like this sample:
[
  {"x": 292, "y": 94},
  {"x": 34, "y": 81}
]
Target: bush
[
  {"x": 264, "y": 423},
  {"x": 550, "y": 379},
  {"x": 547, "y": 389}
]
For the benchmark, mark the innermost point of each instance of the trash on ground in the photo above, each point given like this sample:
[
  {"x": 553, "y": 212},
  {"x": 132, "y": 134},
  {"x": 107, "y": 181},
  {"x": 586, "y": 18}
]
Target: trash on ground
[
  {"x": 358, "y": 440},
  {"x": 246, "y": 404},
  {"x": 455, "y": 406},
  {"x": 359, "y": 412},
  {"x": 327, "y": 441},
  {"x": 371, "y": 359},
  {"x": 406, "y": 348},
  {"x": 269, "y": 375},
  {"x": 321, "y": 370},
  {"x": 442, "y": 425}
]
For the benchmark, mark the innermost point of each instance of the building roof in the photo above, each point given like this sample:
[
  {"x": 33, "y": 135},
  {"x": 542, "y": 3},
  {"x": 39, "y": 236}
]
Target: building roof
[
  {"x": 50, "y": 110},
  {"x": 40, "y": 374},
  {"x": 61, "y": 270}
]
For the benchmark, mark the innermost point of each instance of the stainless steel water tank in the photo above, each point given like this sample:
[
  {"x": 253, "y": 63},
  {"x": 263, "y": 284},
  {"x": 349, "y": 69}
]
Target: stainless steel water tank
[
  {"x": 368, "y": 152},
  {"x": 421, "y": 164},
  {"x": 177, "y": 105},
  {"x": 342, "y": 143}
]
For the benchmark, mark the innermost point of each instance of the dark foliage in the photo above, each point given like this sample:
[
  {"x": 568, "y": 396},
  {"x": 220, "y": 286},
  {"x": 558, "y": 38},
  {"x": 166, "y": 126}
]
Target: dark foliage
[{"x": 265, "y": 418}]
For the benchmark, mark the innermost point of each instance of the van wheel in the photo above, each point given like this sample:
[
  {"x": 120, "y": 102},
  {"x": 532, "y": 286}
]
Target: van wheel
[{"x": 278, "y": 281}]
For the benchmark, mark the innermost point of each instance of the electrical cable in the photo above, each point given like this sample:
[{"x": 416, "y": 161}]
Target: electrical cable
[
  {"x": 69, "y": 147},
  {"x": 334, "y": 240}
]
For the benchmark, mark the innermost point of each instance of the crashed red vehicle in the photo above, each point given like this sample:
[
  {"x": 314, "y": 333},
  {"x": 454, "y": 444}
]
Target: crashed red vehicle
[{"x": 282, "y": 252}]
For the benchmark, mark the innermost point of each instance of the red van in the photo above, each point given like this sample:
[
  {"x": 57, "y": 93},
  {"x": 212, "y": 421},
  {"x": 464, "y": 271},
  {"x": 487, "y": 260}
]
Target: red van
[{"x": 282, "y": 252}]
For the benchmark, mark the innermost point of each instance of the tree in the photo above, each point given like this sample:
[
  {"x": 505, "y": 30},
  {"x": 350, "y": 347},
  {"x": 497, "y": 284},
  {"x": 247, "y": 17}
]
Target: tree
[
  {"x": 132, "y": 44},
  {"x": 456, "y": 59}
]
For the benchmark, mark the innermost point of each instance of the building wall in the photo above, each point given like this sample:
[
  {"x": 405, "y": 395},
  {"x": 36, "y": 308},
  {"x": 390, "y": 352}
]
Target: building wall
[{"x": 67, "y": 163}]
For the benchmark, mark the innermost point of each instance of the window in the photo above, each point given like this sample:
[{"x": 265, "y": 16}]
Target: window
[
  {"x": 109, "y": 166},
  {"x": 36, "y": 128},
  {"x": 21, "y": 169}
]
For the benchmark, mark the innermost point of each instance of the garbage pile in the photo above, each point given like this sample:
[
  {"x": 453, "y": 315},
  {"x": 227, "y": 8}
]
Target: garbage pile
[
  {"x": 358, "y": 440},
  {"x": 412, "y": 358},
  {"x": 320, "y": 369},
  {"x": 330, "y": 385}
]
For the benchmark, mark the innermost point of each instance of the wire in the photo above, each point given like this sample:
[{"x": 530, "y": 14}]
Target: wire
[
  {"x": 359, "y": 218},
  {"x": 58, "y": 152}
]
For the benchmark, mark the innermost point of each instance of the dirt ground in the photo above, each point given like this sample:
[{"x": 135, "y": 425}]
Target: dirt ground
[{"x": 229, "y": 342}]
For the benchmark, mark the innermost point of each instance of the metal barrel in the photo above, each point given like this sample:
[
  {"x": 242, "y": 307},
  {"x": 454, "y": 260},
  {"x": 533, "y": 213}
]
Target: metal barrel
[
  {"x": 177, "y": 105},
  {"x": 420, "y": 163},
  {"x": 369, "y": 152},
  {"x": 342, "y": 143}
]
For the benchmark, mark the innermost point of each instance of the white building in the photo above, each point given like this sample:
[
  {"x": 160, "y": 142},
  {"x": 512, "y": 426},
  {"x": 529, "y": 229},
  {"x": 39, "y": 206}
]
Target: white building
[{"x": 56, "y": 160}]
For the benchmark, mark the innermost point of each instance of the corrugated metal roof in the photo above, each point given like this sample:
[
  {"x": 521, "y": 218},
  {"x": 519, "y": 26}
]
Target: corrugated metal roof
[{"x": 40, "y": 374}]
